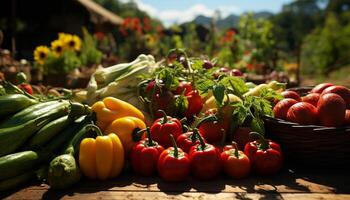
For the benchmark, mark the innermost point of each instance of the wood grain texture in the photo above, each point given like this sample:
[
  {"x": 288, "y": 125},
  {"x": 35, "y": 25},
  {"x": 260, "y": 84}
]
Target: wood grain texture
[{"x": 286, "y": 185}]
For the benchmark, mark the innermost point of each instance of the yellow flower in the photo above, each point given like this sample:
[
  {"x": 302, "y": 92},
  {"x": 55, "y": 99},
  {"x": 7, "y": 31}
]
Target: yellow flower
[
  {"x": 57, "y": 47},
  {"x": 63, "y": 36},
  {"x": 40, "y": 54},
  {"x": 72, "y": 42}
]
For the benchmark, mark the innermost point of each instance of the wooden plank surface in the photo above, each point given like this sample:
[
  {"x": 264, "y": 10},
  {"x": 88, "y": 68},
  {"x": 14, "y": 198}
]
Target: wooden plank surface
[{"x": 286, "y": 185}]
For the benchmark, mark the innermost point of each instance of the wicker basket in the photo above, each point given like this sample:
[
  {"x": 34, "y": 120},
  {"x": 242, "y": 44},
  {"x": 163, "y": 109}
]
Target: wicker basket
[{"x": 310, "y": 145}]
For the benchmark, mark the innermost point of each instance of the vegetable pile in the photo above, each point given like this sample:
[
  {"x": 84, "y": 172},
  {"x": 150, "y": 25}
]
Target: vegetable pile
[
  {"x": 176, "y": 118},
  {"x": 326, "y": 105}
]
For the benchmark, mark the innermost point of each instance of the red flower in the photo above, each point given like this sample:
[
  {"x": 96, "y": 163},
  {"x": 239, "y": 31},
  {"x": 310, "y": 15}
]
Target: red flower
[
  {"x": 147, "y": 24},
  {"x": 99, "y": 36}
]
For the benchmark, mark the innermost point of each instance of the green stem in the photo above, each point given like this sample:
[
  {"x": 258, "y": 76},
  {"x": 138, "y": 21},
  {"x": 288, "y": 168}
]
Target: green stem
[
  {"x": 264, "y": 144},
  {"x": 236, "y": 149},
  {"x": 150, "y": 140},
  {"x": 165, "y": 117},
  {"x": 194, "y": 135},
  {"x": 176, "y": 151},
  {"x": 206, "y": 119},
  {"x": 202, "y": 143},
  {"x": 94, "y": 128}
]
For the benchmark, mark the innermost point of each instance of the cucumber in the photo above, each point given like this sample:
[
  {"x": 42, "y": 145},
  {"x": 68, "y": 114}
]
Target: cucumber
[
  {"x": 47, "y": 132},
  {"x": 16, "y": 181},
  {"x": 12, "y": 103},
  {"x": 14, "y": 137},
  {"x": 30, "y": 113},
  {"x": 17, "y": 163}
]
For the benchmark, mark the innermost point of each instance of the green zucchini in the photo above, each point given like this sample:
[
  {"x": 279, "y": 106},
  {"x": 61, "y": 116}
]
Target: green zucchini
[
  {"x": 31, "y": 112},
  {"x": 17, "y": 163},
  {"x": 14, "y": 137},
  {"x": 47, "y": 132},
  {"x": 12, "y": 103},
  {"x": 16, "y": 181}
]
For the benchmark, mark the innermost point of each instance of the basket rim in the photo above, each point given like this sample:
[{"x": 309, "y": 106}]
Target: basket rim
[{"x": 296, "y": 125}]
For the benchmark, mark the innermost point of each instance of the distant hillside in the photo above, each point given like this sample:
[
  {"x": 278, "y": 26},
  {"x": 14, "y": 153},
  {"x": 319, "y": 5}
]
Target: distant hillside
[{"x": 229, "y": 21}]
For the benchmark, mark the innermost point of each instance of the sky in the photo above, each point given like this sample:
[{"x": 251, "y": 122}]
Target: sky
[{"x": 179, "y": 11}]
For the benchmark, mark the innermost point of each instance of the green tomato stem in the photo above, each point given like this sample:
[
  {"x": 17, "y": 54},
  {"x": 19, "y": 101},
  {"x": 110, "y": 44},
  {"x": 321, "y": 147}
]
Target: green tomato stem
[{"x": 176, "y": 150}]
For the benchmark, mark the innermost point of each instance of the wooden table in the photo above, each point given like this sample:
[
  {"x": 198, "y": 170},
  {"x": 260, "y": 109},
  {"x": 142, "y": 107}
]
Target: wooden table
[{"x": 288, "y": 184}]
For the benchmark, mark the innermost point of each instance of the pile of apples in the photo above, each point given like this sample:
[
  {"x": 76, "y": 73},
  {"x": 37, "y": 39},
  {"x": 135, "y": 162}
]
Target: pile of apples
[{"x": 326, "y": 105}]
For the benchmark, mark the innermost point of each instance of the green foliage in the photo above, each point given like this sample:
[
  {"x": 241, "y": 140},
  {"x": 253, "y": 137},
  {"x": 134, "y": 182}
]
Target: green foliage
[
  {"x": 326, "y": 48},
  {"x": 65, "y": 63},
  {"x": 89, "y": 53}
]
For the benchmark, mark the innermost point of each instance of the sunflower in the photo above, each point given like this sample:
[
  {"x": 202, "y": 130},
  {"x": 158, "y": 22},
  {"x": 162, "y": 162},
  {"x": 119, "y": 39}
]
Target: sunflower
[
  {"x": 72, "y": 42},
  {"x": 57, "y": 47},
  {"x": 63, "y": 36},
  {"x": 40, "y": 54}
]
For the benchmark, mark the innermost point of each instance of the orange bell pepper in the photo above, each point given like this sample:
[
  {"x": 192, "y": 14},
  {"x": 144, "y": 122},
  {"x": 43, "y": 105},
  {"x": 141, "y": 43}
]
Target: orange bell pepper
[{"x": 101, "y": 158}]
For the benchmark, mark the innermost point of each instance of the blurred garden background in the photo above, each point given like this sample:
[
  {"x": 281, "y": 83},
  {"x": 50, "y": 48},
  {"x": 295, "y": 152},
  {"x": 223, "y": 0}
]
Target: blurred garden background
[{"x": 303, "y": 42}]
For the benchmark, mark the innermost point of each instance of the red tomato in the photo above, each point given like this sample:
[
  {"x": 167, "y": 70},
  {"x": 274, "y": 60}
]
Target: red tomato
[
  {"x": 347, "y": 118},
  {"x": 311, "y": 98},
  {"x": 281, "y": 108},
  {"x": 320, "y": 87},
  {"x": 341, "y": 91},
  {"x": 302, "y": 113},
  {"x": 291, "y": 94},
  {"x": 183, "y": 86},
  {"x": 235, "y": 163},
  {"x": 331, "y": 110}
]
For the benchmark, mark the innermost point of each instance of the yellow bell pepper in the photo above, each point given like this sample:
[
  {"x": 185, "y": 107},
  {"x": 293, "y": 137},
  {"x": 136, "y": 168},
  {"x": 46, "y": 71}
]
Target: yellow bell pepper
[
  {"x": 101, "y": 158},
  {"x": 126, "y": 128},
  {"x": 111, "y": 108}
]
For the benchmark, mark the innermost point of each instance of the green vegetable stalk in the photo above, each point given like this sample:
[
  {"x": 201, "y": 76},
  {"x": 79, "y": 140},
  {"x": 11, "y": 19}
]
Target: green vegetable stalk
[{"x": 63, "y": 170}]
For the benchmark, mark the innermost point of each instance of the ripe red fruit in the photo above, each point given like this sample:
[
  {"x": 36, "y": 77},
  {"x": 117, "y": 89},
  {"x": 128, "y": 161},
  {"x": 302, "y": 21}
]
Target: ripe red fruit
[
  {"x": 341, "y": 91},
  {"x": 281, "y": 108},
  {"x": 331, "y": 110},
  {"x": 302, "y": 113},
  {"x": 347, "y": 118},
  {"x": 320, "y": 87},
  {"x": 291, "y": 94},
  {"x": 183, "y": 86},
  {"x": 236, "y": 72},
  {"x": 311, "y": 98}
]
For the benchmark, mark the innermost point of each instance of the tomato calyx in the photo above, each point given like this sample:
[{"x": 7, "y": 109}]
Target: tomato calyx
[
  {"x": 148, "y": 142},
  {"x": 263, "y": 144}
]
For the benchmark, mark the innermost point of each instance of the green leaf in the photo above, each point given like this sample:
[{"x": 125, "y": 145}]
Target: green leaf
[
  {"x": 234, "y": 84},
  {"x": 181, "y": 104},
  {"x": 204, "y": 85},
  {"x": 257, "y": 125},
  {"x": 219, "y": 93}
]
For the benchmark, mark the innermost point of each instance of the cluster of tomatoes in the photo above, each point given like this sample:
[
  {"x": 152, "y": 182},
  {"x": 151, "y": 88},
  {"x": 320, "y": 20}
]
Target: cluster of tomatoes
[
  {"x": 326, "y": 104},
  {"x": 174, "y": 155}
]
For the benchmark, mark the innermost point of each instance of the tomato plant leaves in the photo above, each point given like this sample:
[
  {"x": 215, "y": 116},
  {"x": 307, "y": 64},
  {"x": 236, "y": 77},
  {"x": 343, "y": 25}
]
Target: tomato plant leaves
[{"x": 219, "y": 93}]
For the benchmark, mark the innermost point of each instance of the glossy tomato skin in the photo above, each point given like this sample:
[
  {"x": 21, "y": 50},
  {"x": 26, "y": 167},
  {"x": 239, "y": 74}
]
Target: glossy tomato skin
[
  {"x": 311, "y": 98},
  {"x": 185, "y": 87},
  {"x": 302, "y": 113},
  {"x": 320, "y": 87},
  {"x": 236, "y": 166},
  {"x": 161, "y": 130},
  {"x": 214, "y": 131},
  {"x": 172, "y": 168},
  {"x": 264, "y": 161},
  {"x": 347, "y": 118},
  {"x": 187, "y": 140},
  {"x": 291, "y": 94},
  {"x": 144, "y": 157},
  {"x": 341, "y": 91},
  {"x": 280, "y": 110},
  {"x": 195, "y": 104},
  {"x": 331, "y": 110},
  {"x": 26, "y": 87},
  {"x": 205, "y": 162}
]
